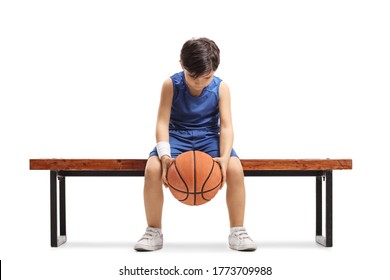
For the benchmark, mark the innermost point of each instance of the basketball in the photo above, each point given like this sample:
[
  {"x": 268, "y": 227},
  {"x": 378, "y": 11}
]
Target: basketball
[{"x": 194, "y": 178}]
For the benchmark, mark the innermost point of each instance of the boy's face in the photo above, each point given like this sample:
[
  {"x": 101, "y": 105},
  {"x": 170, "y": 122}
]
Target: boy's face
[{"x": 196, "y": 85}]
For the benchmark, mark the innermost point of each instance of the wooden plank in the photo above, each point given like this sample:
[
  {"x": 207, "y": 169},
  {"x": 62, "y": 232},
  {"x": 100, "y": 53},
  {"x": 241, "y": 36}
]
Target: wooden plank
[
  {"x": 87, "y": 164},
  {"x": 296, "y": 164},
  {"x": 139, "y": 164}
]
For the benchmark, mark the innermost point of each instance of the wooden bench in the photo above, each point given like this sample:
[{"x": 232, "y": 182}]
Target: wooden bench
[{"x": 321, "y": 169}]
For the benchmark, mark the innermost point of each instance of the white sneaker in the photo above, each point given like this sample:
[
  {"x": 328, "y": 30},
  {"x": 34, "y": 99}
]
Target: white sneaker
[
  {"x": 240, "y": 240},
  {"x": 152, "y": 240}
]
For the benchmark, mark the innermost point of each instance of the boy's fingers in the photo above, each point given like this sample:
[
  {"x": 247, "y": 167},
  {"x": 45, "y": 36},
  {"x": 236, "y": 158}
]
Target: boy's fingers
[
  {"x": 166, "y": 163},
  {"x": 223, "y": 181}
]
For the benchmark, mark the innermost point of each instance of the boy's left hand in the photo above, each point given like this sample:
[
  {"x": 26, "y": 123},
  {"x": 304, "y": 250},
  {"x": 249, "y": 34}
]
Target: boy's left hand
[{"x": 223, "y": 164}]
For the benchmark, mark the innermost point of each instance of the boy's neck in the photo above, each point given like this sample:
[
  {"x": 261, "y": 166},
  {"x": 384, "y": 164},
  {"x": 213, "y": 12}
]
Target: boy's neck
[{"x": 194, "y": 92}]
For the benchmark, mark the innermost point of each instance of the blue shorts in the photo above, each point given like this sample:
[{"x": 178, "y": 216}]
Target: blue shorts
[{"x": 187, "y": 140}]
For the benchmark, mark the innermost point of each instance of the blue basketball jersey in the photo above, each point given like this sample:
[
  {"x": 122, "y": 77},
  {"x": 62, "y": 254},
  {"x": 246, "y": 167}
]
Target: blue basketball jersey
[{"x": 190, "y": 112}]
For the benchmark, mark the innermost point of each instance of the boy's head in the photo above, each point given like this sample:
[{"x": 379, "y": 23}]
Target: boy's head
[{"x": 199, "y": 56}]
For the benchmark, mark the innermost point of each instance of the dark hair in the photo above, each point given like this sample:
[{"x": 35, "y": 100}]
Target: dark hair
[{"x": 199, "y": 56}]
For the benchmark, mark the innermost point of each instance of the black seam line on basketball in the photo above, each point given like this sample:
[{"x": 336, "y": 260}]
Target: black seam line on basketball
[
  {"x": 188, "y": 191},
  {"x": 204, "y": 183},
  {"x": 178, "y": 172},
  {"x": 196, "y": 192},
  {"x": 194, "y": 177}
]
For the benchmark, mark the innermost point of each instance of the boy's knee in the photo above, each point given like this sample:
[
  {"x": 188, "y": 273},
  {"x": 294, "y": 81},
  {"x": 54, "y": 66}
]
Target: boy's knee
[
  {"x": 234, "y": 170},
  {"x": 153, "y": 168}
]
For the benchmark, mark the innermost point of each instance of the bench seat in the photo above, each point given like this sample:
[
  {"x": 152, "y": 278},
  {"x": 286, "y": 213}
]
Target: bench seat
[{"x": 139, "y": 164}]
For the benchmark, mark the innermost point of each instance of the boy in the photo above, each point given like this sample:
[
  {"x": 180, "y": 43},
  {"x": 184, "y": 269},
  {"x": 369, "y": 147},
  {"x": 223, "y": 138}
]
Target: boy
[{"x": 195, "y": 114}]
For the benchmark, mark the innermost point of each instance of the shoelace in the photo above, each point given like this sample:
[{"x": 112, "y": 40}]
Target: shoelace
[
  {"x": 242, "y": 234},
  {"x": 149, "y": 234}
]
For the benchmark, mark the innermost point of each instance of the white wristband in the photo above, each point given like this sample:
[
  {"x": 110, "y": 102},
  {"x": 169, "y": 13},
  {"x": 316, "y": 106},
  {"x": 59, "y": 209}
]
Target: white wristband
[{"x": 163, "y": 149}]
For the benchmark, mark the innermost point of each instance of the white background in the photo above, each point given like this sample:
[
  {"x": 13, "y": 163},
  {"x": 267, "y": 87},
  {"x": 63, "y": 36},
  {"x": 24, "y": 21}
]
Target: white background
[{"x": 82, "y": 79}]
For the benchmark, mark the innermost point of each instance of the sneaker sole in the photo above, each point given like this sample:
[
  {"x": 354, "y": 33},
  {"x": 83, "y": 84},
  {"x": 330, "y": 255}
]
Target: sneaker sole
[
  {"x": 147, "y": 248},
  {"x": 243, "y": 248}
]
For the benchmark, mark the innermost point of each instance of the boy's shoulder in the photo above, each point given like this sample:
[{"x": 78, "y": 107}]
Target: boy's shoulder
[
  {"x": 177, "y": 80},
  {"x": 168, "y": 84}
]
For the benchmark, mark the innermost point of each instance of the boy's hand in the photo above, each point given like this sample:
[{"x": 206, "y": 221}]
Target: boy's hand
[
  {"x": 223, "y": 164},
  {"x": 165, "y": 163}
]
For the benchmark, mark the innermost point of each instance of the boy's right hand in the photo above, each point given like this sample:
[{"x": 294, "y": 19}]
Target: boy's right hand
[{"x": 165, "y": 163}]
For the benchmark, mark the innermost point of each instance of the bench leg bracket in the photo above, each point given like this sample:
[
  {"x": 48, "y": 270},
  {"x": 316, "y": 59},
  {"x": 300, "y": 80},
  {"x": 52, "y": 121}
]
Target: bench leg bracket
[
  {"x": 55, "y": 239},
  {"x": 327, "y": 238}
]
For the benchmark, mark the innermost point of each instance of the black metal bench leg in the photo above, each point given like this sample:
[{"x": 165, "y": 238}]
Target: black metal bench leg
[
  {"x": 62, "y": 207},
  {"x": 319, "y": 206},
  {"x": 326, "y": 240},
  {"x": 55, "y": 239}
]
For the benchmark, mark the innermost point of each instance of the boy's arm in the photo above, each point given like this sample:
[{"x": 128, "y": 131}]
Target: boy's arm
[
  {"x": 227, "y": 134},
  {"x": 164, "y": 112},
  {"x": 162, "y": 126}
]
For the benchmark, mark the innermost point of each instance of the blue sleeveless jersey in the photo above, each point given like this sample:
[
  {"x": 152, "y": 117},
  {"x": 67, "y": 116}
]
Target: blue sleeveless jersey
[
  {"x": 190, "y": 112},
  {"x": 194, "y": 121}
]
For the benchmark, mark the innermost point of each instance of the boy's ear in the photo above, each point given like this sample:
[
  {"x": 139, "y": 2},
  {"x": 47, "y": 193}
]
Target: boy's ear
[{"x": 181, "y": 64}]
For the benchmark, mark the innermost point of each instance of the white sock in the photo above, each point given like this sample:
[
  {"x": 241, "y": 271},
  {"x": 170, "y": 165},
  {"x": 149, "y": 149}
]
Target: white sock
[
  {"x": 233, "y": 229},
  {"x": 156, "y": 229}
]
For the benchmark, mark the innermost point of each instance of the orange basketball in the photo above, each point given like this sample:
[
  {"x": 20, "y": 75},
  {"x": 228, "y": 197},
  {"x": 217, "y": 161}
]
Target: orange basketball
[{"x": 194, "y": 178}]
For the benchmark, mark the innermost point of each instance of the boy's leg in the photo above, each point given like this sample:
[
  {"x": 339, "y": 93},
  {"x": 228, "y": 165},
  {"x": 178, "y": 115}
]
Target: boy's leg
[
  {"x": 153, "y": 192},
  {"x": 235, "y": 198},
  {"x": 235, "y": 193},
  {"x": 153, "y": 200}
]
